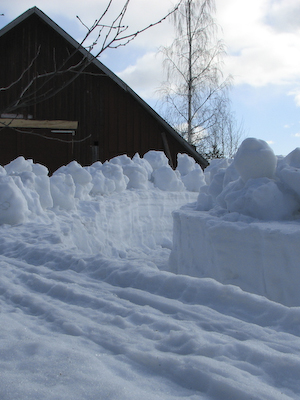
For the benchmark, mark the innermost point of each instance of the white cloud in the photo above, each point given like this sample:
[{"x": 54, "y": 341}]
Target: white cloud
[
  {"x": 296, "y": 94},
  {"x": 284, "y": 15},
  {"x": 262, "y": 47},
  {"x": 259, "y": 54},
  {"x": 145, "y": 76},
  {"x": 138, "y": 15}
]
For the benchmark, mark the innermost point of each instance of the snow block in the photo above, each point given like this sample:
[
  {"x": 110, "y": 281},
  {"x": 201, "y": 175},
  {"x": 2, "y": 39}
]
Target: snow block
[{"x": 260, "y": 257}]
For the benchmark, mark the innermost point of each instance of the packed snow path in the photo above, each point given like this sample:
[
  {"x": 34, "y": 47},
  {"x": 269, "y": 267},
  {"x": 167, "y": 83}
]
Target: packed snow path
[{"x": 77, "y": 326}]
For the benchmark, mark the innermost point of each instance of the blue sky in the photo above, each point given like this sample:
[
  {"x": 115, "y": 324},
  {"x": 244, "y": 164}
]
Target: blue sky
[{"x": 263, "y": 46}]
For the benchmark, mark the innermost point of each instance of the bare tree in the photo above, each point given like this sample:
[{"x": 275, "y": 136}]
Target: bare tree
[
  {"x": 195, "y": 93},
  {"x": 224, "y": 137},
  {"x": 38, "y": 86}
]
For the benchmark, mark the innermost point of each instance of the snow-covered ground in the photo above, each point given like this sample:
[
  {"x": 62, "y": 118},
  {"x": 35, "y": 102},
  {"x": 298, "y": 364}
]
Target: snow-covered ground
[{"x": 90, "y": 308}]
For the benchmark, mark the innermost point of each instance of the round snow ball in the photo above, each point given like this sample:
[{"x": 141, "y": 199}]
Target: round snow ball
[{"x": 255, "y": 159}]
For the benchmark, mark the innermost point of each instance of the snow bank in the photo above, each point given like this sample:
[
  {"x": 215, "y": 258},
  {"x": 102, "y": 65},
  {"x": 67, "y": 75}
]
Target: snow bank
[
  {"x": 27, "y": 192},
  {"x": 142, "y": 195},
  {"x": 244, "y": 228},
  {"x": 88, "y": 310}
]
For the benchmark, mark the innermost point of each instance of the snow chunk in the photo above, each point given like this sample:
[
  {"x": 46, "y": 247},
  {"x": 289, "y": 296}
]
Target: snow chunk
[
  {"x": 185, "y": 164},
  {"x": 258, "y": 198},
  {"x": 191, "y": 173},
  {"x": 214, "y": 166},
  {"x": 62, "y": 189},
  {"x": 289, "y": 171},
  {"x": 115, "y": 172},
  {"x": 137, "y": 175},
  {"x": 165, "y": 178},
  {"x": 42, "y": 186},
  {"x": 101, "y": 184},
  {"x": 81, "y": 178},
  {"x": 194, "y": 180},
  {"x": 144, "y": 163},
  {"x": 40, "y": 170},
  {"x": 13, "y": 205},
  {"x": 121, "y": 160},
  {"x": 26, "y": 183},
  {"x": 18, "y": 165},
  {"x": 156, "y": 159},
  {"x": 293, "y": 158}
]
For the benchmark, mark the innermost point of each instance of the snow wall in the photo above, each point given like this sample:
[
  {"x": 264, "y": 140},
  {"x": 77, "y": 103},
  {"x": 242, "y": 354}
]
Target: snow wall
[
  {"x": 244, "y": 228},
  {"x": 118, "y": 225},
  {"x": 261, "y": 257},
  {"x": 107, "y": 208}
]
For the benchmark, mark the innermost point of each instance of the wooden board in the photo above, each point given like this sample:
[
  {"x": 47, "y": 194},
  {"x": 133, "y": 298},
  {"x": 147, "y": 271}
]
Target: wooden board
[{"x": 33, "y": 123}]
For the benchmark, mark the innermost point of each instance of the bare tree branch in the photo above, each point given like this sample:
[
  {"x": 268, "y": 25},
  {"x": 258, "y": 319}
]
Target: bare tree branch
[{"x": 195, "y": 94}]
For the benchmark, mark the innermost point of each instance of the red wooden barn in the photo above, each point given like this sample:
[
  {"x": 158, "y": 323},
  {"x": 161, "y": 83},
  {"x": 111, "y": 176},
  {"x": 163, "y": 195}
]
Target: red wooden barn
[{"x": 57, "y": 104}]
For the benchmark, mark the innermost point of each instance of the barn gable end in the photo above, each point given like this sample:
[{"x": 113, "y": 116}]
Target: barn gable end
[{"x": 96, "y": 116}]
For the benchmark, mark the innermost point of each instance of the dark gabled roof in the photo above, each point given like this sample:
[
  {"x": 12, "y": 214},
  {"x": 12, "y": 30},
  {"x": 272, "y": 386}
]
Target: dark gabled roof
[{"x": 34, "y": 10}]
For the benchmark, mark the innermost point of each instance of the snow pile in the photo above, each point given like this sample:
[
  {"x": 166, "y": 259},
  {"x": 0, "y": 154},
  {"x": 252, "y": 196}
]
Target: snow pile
[
  {"x": 90, "y": 311},
  {"x": 27, "y": 190},
  {"x": 255, "y": 184},
  {"x": 244, "y": 227},
  {"x": 138, "y": 213}
]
